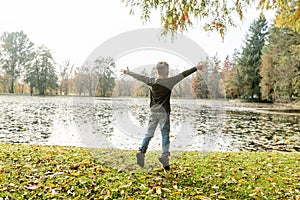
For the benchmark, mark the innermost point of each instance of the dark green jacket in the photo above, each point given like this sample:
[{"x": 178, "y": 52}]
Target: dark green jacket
[{"x": 160, "y": 89}]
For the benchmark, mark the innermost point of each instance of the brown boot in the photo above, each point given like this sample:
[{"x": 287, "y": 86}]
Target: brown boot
[{"x": 164, "y": 159}]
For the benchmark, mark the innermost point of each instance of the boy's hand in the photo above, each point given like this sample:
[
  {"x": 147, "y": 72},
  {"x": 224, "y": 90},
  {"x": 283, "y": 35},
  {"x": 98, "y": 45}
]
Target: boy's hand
[
  {"x": 125, "y": 71},
  {"x": 200, "y": 66}
]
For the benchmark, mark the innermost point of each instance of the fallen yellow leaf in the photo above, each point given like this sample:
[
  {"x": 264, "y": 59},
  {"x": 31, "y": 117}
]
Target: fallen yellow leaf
[
  {"x": 75, "y": 174},
  {"x": 202, "y": 197},
  {"x": 271, "y": 179},
  {"x": 242, "y": 181},
  {"x": 158, "y": 190},
  {"x": 149, "y": 192},
  {"x": 166, "y": 190}
]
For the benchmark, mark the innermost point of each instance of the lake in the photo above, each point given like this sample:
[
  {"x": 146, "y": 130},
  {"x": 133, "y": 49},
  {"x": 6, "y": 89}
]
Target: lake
[{"x": 204, "y": 125}]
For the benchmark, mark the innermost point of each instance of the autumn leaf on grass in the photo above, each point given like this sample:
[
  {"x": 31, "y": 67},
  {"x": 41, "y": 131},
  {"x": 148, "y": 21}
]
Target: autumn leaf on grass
[
  {"x": 75, "y": 174},
  {"x": 175, "y": 187},
  {"x": 165, "y": 190},
  {"x": 215, "y": 187},
  {"x": 33, "y": 187},
  {"x": 242, "y": 181},
  {"x": 202, "y": 197},
  {"x": 149, "y": 192},
  {"x": 253, "y": 195},
  {"x": 158, "y": 190},
  {"x": 271, "y": 179}
]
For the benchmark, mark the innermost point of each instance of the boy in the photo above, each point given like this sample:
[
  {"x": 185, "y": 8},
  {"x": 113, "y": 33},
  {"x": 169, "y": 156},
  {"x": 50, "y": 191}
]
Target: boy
[{"x": 160, "y": 93}]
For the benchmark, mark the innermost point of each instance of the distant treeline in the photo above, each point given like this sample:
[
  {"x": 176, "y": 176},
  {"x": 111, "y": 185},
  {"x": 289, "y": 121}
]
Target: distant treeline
[{"x": 267, "y": 68}]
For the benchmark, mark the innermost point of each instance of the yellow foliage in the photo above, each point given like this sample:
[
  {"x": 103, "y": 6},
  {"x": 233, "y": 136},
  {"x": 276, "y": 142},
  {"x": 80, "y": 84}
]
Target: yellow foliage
[{"x": 288, "y": 12}]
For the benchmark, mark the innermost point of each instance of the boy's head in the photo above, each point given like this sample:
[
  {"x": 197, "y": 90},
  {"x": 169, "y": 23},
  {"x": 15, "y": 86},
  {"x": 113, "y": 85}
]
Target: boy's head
[{"x": 162, "y": 69}]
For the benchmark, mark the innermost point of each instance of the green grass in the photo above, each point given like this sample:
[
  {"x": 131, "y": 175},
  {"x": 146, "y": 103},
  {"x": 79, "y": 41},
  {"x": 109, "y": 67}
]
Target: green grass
[{"x": 53, "y": 172}]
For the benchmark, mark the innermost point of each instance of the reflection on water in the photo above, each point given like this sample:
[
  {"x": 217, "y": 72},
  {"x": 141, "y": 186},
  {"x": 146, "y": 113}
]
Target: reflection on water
[{"x": 121, "y": 123}]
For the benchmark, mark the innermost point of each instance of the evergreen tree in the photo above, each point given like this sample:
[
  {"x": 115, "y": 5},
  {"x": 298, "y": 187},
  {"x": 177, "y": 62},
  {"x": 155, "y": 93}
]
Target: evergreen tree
[
  {"x": 250, "y": 59},
  {"x": 199, "y": 84},
  {"x": 199, "y": 87},
  {"x": 41, "y": 74},
  {"x": 281, "y": 66}
]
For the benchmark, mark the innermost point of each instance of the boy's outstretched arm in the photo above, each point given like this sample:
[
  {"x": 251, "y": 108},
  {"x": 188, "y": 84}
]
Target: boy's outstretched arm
[
  {"x": 199, "y": 66},
  {"x": 139, "y": 77},
  {"x": 182, "y": 75}
]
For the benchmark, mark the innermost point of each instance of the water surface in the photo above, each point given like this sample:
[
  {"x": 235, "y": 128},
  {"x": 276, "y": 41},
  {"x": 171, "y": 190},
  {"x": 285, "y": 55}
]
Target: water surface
[{"x": 206, "y": 125}]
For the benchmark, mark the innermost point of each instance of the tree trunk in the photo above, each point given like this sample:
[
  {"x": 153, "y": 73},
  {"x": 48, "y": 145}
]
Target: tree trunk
[
  {"x": 31, "y": 90},
  {"x": 12, "y": 86}
]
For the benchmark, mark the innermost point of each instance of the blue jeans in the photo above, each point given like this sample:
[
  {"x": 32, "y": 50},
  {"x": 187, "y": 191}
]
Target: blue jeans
[{"x": 163, "y": 119}]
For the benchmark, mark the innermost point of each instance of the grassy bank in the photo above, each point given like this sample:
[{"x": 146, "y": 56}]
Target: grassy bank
[{"x": 52, "y": 172}]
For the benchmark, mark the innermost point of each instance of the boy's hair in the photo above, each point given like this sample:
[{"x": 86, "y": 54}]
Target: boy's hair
[{"x": 162, "y": 68}]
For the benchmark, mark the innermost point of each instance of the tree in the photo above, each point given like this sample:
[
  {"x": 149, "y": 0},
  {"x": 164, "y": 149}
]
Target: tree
[
  {"x": 288, "y": 12},
  {"x": 199, "y": 84},
  {"x": 4, "y": 80},
  {"x": 104, "y": 70},
  {"x": 66, "y": 70},
  {"x": 213, "y": 77},
  {"x": 268, "y": 76},
  {"x": 229, "y": 74},
  {"x": 85, "y": 80},
  {"x": 178, "y": 15},
  {"x": 41, "y": 73},
  {"x": 250, "y": 59},
  {"x": 124, "y": 87},
  {"x": 215, "y": 15},
  {"x": 207, "y": 84},
  {"x": 280, "y": 69},
  {"x": 15, "y": 54}
]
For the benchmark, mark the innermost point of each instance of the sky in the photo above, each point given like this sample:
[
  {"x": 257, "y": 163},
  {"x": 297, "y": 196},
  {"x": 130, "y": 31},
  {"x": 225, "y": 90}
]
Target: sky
[{"x": 72, "y": 29}]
